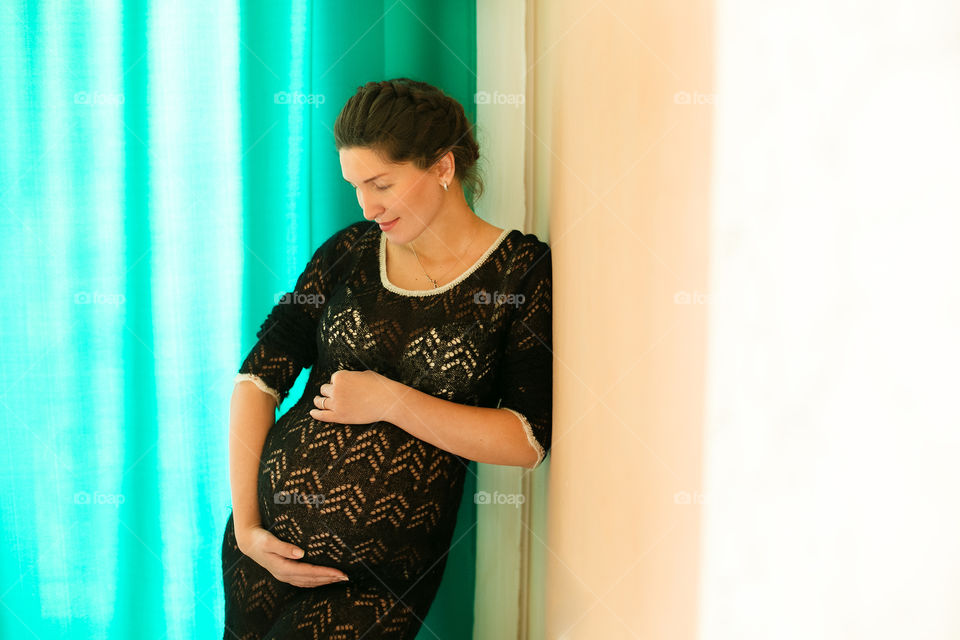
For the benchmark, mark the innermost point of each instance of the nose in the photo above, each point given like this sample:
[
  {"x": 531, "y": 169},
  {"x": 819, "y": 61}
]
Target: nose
[{"x": 370, "y": 209}]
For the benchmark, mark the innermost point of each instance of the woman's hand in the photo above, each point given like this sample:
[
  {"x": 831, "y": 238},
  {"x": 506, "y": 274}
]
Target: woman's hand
[
  {"x": 355, "y": 397},
  {"x": 275, "y": 555}
]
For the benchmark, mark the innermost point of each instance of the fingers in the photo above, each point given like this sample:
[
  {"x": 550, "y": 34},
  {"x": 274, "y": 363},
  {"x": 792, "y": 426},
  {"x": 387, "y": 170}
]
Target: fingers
[
  {"x": 283, "y": 549},
  {"x": 304, "y": 574},
  {"x": 283, "y": 560}
]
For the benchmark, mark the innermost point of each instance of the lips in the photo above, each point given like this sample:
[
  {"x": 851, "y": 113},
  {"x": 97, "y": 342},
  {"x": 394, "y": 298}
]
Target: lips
[{"x": 388, "y": 225}]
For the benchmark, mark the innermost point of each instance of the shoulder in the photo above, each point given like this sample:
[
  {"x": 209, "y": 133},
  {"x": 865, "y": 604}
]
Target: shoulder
[{"x": 527, "y": 254}]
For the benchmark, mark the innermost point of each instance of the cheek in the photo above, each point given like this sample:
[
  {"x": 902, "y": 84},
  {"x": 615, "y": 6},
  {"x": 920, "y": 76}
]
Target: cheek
[{"x": 415, "y": 196}]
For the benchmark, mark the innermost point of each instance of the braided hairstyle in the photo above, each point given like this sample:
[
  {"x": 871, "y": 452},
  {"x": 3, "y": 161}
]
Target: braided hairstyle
[{"x": 407, "y": 120}]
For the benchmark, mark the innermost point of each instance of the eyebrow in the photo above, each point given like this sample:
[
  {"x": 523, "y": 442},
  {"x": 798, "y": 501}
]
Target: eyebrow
[{"x": 369, "y": 179}]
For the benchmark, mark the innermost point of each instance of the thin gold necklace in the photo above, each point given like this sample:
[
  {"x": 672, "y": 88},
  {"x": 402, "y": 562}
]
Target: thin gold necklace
[{"x": 435, "y": 284}]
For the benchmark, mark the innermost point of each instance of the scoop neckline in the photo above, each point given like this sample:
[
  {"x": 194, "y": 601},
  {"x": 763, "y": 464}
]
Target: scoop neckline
[{"x": 382, "y": 259}]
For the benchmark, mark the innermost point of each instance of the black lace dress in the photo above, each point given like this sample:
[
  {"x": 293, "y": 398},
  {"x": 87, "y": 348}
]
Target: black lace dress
[{"x": 370, "y": 499}]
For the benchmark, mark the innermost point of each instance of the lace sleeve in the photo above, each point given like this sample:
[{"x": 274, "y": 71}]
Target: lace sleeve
[
  {"x": 287, "y": 341},
  {"x": 526, "y": 378}
]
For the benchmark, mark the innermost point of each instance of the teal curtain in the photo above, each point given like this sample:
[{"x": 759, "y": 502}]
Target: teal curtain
[{"x": 166, "y": 169}]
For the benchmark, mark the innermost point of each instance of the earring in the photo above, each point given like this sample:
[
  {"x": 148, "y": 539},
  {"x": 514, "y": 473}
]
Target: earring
[{"x": 445, "y": 186}]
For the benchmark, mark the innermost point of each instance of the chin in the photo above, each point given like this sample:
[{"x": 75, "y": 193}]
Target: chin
[{"x": 401, "y": 234}]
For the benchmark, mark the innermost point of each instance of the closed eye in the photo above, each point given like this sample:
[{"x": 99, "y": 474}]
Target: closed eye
[{"x": 379, "y": 188}]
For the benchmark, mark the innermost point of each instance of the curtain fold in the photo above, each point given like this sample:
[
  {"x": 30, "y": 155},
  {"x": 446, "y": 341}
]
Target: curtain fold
[{"x": 166, "y": 169}]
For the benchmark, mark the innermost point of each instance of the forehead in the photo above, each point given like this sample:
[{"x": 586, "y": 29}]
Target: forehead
[{"x": 360, "y": 163}]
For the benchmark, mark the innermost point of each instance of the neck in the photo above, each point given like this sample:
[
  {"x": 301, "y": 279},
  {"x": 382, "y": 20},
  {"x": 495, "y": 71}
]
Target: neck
[{"x": 447, "y": 237}]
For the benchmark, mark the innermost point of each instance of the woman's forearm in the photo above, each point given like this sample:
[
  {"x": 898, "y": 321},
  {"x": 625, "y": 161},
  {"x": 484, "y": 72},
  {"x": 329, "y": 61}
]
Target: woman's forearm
[
  {"x": 493, "y": 436},
  {"x": 252, "y": 413}
]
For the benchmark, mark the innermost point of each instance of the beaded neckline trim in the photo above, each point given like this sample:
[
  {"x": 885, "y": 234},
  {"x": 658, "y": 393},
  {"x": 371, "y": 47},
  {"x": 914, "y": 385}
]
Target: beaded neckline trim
[{"x": 382, "y": 257}]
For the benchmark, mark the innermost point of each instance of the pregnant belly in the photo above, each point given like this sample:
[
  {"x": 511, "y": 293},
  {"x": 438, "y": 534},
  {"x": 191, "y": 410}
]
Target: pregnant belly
[{"x": 369, "y": 499}]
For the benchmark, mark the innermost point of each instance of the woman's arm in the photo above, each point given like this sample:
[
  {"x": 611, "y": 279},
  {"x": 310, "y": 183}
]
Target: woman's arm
[
  {"x": 252, "y": 413},
  {"x": 494, "y": 436}
]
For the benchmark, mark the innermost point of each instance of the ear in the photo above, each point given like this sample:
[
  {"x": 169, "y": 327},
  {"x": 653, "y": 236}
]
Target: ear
[{"x": 446, "y": 167}]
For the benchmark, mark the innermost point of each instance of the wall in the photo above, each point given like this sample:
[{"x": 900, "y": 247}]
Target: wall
[
  {"x": 752, "y": 209},
  {"x": 831, "y": 431},
  {"x": 621, "y": 170}
]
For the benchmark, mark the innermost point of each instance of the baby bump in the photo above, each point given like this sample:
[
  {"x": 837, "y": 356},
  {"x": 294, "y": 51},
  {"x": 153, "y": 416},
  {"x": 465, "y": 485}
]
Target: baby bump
[{"x": 358, "y": 497}]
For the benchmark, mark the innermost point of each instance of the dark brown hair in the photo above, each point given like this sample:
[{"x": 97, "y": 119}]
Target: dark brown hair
[{"x": 408, "y": 120}]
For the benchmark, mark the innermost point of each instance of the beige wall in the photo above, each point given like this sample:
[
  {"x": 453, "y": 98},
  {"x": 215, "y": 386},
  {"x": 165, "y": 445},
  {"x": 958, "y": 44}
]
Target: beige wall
[
  {"x": 820, "y": 418},
  {"x": 620, "y": 170}
]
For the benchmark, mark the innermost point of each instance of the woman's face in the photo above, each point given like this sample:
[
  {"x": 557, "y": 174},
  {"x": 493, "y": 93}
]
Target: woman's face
[{"x": 401, "y": 195}]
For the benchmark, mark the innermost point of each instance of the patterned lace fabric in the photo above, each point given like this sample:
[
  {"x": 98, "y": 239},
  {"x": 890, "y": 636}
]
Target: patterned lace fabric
[{"x": 370, "y": 499}]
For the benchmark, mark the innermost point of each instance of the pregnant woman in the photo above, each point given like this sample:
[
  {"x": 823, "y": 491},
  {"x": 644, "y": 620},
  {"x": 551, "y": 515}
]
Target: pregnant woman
[{"x": 427, "y": 332}]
